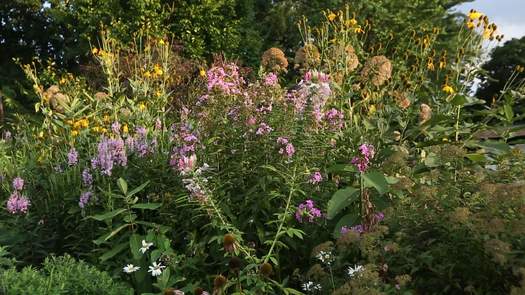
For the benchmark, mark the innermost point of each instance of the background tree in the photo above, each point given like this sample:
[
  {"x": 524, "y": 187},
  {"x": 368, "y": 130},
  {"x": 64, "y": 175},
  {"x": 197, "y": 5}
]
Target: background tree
[
  {"x": 503, "y": 62},
  {"x": 64, "y": 30}
]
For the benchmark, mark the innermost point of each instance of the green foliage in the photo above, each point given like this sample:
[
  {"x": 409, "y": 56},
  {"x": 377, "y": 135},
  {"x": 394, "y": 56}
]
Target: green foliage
[{"x": 60, "y": 275}]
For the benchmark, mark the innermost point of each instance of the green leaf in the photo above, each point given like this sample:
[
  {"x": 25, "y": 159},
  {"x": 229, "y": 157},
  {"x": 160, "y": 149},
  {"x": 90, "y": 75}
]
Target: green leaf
[
  {"x": 340, "y": 200},
  {"x": 155, "y": 254},
  {"x": 459, "y": 100},
  {"x": 115, "y": 231},
  {"x": 274, "y": 260},
  {"x": 111, "y": 253},
  {"x": 476, "y": 157},
  {"x": 138, "y": 189},
  {"x": 148, "y": 206},
  {"x": 342, "y": 168},
  {"x": 135, "y": 244},
  {"x": 496, "y": 147},
  {"x": 123, "y": 185},
  {"x": 108, "y": 215},
  {"x": 376, "y": 180},
  {"x": 347, "y": 220},
  {"x": 291, "y": 291},
  {"x": 509, "y": 113}
]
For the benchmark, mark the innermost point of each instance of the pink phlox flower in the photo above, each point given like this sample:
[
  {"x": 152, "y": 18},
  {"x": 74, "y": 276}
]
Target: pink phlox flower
[
  {"x": 264, "y": 129},
  {"x": 17, "y": 203},
  {"x": 334, "y": 118},
  {"x": 307, "y": 212},
  {"x": 271, "y": 79},
  {"x": 315, "y": 178}
]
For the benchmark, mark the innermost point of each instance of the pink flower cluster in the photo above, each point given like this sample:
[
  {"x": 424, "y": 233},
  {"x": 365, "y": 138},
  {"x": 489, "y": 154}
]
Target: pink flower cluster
[
  {"x": 18, "y": 183},
  {"x": 363, "y": 161},
  {"x": 264, "y": 129},
  {"x": 315, "y": 90},
  {"x": 315, "y": 178},
  {"x": 298, "y": 99},
  {"x": 17, "y": 203},
  {"x": 286, "y": 148},
  {"x": 316, "y": 77},
  {"x": 183, "y": 156},
  {"x": 306, "y": 212},
  {"x": 225, "y": 78},
  {"x": 334, "y": 118},
  {"x": 271, "y": 79},
  {"x": 378, "y": 217}
]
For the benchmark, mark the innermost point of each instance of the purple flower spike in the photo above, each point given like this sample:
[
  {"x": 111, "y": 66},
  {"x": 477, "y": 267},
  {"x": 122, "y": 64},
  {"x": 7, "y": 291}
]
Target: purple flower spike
[{"x": 18, "y": 183}]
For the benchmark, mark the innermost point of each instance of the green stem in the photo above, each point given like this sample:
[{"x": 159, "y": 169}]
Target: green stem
[
  {"x": 457, "y": 123},
  {"x": 281, "y": 224},
  {"x": 332, "y": 278}
]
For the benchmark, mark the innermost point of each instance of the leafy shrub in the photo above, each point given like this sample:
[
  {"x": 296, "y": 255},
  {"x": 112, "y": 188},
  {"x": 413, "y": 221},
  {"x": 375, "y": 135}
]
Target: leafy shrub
[{"x": 60, "y": 275}]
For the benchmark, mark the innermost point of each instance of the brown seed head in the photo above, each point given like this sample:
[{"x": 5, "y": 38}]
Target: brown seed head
[
  {"x": 229, "y": 243},
  {"x": 266, "y": 269},
  {"x": 307, "y": 57},
  {"x": 219, "y": 282},
  {"x": 274, "y": 60},
  {"x": 377, "y": 69}
]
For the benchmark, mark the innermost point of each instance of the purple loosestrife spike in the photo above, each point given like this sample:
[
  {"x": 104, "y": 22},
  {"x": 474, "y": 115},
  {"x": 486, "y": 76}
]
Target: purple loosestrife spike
[
  {"x": 111, "y": 152},
  {"x": 141, "y": 131},
  {"x": 72, "y": 157},
  {"x": 18, "y": 183},
  {"x": 87, "y": 178},
  {"x": 17, "y": 204},
  {"x": 84, "y": 199}
]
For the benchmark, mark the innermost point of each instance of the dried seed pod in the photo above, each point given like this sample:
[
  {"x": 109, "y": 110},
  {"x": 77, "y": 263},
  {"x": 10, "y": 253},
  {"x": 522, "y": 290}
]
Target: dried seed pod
[
  {"x": 377, "y": 69},
  {"x": 307, "y": 57},
  {"x": 274, "y": 60}
]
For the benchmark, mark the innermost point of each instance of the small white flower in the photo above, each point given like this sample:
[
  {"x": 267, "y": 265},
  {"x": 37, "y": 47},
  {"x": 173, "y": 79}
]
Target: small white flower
[
  {"x": 156, "y": 269},
  {"x": 130, "y": 268},
  {"x": 145, "y": 246},
  {"x": 311, "y": 286},
  {"x": 355, "y": 270},
  {"x": 325, "y": 257}
]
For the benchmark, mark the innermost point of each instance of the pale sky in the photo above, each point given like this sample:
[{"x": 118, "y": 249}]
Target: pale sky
[{"x": 509, "y": 15}]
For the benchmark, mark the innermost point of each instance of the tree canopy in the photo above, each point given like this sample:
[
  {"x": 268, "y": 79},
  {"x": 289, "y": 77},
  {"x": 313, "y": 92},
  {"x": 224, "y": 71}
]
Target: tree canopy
[{"x": 502, "y": 64}]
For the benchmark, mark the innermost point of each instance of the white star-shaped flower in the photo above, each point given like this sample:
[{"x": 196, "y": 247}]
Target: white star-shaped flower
[
  {"x": 130, "y": 268},
  {"x": 156, "y": 269},
  {"x": 355, "y": 270},
  {"x": 145, "y": 246}
]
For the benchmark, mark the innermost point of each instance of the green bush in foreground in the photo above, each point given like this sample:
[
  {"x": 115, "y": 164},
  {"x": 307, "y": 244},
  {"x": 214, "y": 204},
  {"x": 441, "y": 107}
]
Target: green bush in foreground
[{"x": 59, "y": 275}]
